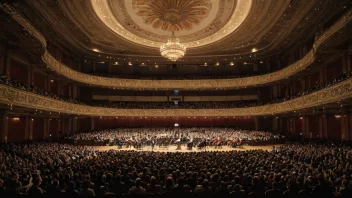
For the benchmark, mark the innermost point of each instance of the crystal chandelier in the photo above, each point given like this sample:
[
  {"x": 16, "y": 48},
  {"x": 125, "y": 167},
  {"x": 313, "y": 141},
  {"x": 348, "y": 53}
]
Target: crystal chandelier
[{"x": 173, "y": 49}]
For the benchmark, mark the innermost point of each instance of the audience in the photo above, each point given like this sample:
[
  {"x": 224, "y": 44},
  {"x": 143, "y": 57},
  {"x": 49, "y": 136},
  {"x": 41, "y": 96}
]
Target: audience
[
  {"x": 172, "y": 77},
  {"x": 313, "y": 168},
  {"x": 170, "y": 105},
  {"x": 30, "y": 88}
]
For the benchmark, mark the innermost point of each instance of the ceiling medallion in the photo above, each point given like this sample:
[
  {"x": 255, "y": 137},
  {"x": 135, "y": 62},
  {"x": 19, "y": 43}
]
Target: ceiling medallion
[{"x": 173, "y": 49}]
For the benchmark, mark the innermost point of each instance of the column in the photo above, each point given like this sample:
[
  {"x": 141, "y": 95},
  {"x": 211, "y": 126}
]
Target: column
[
  {"x": 303, "y": 84},
  {"x": 93, "y": 66},
  {"x": 321, "y": 127},
  {"x": 348, "y": 62},
  {"x": 74, "y": 125},
  {"x": 4, "y": 127},
  {"x": 274, "y": 92},
  {"x": 74, "y": 91},
  {"x": 92, "y": 124},
  {"x": 275, "y": 124},
  {"x": 30, "y": 130},
  {"x": 109, "y": 66},
  {"x": 7, "y": 63},
  {"x": 344, "y": 127},
  {"x": 325, "y": 127},
  {"x": 59, "y": 88},
  {"x": 70, "y": 125},
  {"x": 47, "y": 83},
  {"x": 46, "y": 127},
  {"x": 26, "y": 130},
  {"x": 70, "y": 90},
  {"x": 30, "y": 74},
  {"x": 256, "y": 123},
  {"x": 306, "y": 132}
]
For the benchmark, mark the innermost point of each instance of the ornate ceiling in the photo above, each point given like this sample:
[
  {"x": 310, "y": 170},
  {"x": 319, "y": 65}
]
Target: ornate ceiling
[
  {"x": 212, "y": 30},
  {"x": 150, "y": 22},
  {"x": 140, "y": 27}
]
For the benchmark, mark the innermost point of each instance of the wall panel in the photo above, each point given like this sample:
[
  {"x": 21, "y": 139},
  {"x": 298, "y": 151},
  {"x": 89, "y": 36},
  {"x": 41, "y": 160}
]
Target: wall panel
[
  {"x": 38, "y": 128},
  {"x": 16, "y": 128}
]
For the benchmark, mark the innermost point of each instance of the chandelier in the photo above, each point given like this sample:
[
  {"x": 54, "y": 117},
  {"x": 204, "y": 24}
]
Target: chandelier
[{"x": 173, "y": 49}]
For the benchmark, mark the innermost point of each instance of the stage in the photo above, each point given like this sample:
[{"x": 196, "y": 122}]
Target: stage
[{"x": 184, "y": 148}]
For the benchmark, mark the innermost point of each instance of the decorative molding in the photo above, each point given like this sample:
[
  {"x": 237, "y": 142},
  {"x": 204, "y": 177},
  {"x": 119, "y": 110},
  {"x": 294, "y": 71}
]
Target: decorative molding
[
  {"x": 177, "y": 84},
  {"x": 332, "y": 94},
  {"x": 282, "y": 74}
]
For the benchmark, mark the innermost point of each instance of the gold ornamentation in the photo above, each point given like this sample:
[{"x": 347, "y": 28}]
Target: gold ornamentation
[
  {"x": 172, "y": 15},
  {"x": 181, "y": 84},
  {"x": 332, "y": 94},
  {"x": 173, "y": 49},
  {"x": 106, "y": 11}
]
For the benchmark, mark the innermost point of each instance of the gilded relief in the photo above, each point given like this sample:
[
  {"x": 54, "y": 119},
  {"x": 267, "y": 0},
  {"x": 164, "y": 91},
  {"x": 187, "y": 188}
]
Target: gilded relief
[{"x": 172, "y": 15}]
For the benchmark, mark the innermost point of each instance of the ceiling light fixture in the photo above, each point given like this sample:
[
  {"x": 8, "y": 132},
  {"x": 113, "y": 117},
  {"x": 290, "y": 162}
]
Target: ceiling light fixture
[{"x": 173, "y": 49}]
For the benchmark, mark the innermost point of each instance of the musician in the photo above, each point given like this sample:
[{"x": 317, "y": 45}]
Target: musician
[
  {"x": 153, "y": 144},
  {"x": 178, "y": 142},
  {"x": 190, "y": 144}
]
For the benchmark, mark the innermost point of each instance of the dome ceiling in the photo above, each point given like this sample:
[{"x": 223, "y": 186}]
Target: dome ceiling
[
  {"x": 208, "y": 28},
  {"x": 150, "y": 22}
]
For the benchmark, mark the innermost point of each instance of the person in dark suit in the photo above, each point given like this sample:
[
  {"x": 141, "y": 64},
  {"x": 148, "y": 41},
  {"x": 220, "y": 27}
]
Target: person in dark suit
[{"x": 153, "y": 144}]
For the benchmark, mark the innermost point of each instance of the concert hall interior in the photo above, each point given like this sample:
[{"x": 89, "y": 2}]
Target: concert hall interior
[{"x": 242, "y": 98}]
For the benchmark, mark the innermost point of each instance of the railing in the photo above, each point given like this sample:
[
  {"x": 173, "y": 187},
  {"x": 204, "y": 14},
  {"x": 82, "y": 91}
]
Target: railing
[
  {"x": 332, "y": 94},
  {"x": 282, "y": 74}
]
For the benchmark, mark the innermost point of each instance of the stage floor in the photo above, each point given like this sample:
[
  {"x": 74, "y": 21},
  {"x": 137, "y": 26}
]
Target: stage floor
[{"x": 184, "y": 148}]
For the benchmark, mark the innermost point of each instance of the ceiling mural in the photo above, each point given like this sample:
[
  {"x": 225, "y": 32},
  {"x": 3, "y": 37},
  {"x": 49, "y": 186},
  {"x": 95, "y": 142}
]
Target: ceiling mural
[{"x": 172, "y": 15}]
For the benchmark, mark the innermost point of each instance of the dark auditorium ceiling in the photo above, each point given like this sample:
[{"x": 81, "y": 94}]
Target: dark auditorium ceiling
[{"x": 212, "y": 30}]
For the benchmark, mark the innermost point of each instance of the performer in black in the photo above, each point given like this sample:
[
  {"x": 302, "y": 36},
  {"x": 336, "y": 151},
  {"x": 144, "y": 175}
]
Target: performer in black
[{"x": 153, "y": 144}]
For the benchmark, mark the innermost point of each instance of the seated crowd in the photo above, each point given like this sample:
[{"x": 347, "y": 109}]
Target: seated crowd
[
  {"x": 172, "y": 77},
  {"x": 5, "y": 80},
  {"x": 305, "y": 169},
  {"x": 169, "y": 105},
  {"x": 185, "y": 135}
]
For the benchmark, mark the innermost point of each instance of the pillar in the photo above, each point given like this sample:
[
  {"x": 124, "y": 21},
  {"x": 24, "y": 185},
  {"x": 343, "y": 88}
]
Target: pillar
[
  {"x": 293, "y": 124},
  {"x": 4, "y": 127},
  {"x": 274, "y": 92},
  {"x": 92, "y": 127},
  {"x": 306, "y": 132},
  {"x": 26, "y": 130},
  {"x": 303, "y": 84},
  {"x": 344, "y": 127},
  {"x": 70, "y": 90},
  {"x": 325, "y": 125},
  {"x": 30, "y": 130},
  {"x": 74, "y": 125},
  {"x": 321, "y": 131},
  {"x": 47, "y": 83},
  {"x": 256, "y": 123},
  {"x": 348, "y": 62},
  {"x": 109, "y": 66},
  {"x": 46, "y": 127},
  {"x": 275, "y": 124},
  {"x": 7, "y": 63},
  {"x": 74, "y": 91},
  {"x": 93, "y": 66}
]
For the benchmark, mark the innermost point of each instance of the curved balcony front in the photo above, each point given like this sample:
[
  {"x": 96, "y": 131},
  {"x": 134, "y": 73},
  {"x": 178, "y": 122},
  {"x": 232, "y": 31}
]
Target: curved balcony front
[
  {"x": 235, "y": 83},
  {"x": 332, "y": 94}
]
